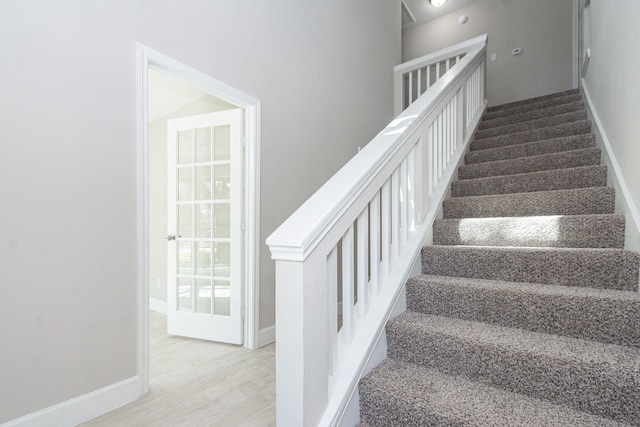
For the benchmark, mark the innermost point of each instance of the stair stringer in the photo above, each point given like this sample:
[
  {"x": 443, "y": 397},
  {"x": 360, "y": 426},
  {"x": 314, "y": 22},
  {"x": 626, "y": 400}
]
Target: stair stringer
[{"x": 624, "y": 203}]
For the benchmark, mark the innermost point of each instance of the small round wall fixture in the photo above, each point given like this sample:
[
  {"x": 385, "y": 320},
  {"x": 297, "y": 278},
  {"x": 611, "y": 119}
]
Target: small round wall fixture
[
  {"x": 437, "y": 3},
  {"x": 463, "y": 19}
]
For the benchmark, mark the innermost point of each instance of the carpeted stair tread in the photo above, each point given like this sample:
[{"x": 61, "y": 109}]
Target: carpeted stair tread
[
  {"x": 558, "y": 231},
  {"x": 586, "y": 267},
  {"x": 534, "y": 100},
  {"x": 399, "y": 394},
  {"x": 531, "y": 106},
  {"x": 531, "y": 115},
  {"x": 555, "y": 179},
  {"x": 532, "y": 124},
  {"x": 604, "y": 315},
  {"x": 550, "y": 132},
  {"x": 577, "y": 201},
  {"x": 535, "y": 148},
  {"x": 542, "y": 162},
  {"x": 602, "y": 379}
]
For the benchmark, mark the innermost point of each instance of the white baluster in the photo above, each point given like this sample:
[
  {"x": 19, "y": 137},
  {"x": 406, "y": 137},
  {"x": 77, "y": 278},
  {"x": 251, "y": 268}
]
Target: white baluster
[
  {"x": 395, "y": 223},
  {"x": 375, "y": 244},
  {"x": 385, "y": 219},
  {"x": 403, "y": 205},
  {"x": 332, "y": 306},
  {"x": 411, "y": 88},
  {"x": 348, "y": 297},
  {"x": 362, "y": 253}
]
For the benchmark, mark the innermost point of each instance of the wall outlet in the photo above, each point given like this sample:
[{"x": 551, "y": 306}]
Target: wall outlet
[
  {"x": 159, "y": 283},
  {"x": 493, "y": 56}
]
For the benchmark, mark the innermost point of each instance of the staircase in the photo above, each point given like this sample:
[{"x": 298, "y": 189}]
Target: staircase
[{"x": 527, "y": 312}]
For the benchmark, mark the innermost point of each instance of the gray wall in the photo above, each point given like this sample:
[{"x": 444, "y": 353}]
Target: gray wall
[
  {"x": 541, "y": 28},
  {"x": 612, "y": 79},
  {"x": 323, "y": 71}
]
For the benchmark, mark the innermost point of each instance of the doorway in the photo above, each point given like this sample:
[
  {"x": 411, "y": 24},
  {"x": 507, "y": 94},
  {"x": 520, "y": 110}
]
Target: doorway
[{"x": 198, "y": 94}]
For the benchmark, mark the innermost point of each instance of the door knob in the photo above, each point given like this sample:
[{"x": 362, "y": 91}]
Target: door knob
[{"x": 172, "y": 237}]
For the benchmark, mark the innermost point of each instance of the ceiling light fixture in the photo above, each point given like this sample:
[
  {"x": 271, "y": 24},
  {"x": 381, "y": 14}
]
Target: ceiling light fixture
[{"x": 437, "y": 3}]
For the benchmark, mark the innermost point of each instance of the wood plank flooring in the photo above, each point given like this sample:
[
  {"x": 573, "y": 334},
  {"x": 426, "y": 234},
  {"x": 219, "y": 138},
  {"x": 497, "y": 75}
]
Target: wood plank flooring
[{"x": 200, "y": 383}]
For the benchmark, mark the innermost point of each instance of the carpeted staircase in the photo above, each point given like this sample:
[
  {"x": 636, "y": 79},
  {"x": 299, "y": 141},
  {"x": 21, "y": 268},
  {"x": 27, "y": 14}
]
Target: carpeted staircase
[{"x": 527, "y": 312}]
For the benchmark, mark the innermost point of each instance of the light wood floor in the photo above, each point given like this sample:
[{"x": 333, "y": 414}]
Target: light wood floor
[{"x": 199, "y": 383}]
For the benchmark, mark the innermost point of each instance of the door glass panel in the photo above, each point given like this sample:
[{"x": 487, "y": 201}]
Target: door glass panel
[
  {"x": 185, "y": 147},
  {"x": 203, "y": 260},
  {"x": 185, "y": 183},
  {"x": 203, "y": 220},
  {"x": 222, "y": 297},
  {"x": 184, "y": 294},
  {"x": 221, "y": 259},
  {"x": 221, "y": 220},
  {"x": 221, "y": 181},
  {"x": 221, "y": 143},
  {"x": 203, "y": 302},
  {"x": 203, "y": 183},
  {"x": 185, "y": 258},
  {"x": 203, "y": 144},
  {"x": 185, "y": 220}
]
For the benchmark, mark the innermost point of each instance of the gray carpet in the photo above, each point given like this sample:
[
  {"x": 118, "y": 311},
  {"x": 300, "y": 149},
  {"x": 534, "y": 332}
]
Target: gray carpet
[{"x": 527, "y": 312}]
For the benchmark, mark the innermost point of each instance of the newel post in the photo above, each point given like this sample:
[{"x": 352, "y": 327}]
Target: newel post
[{"x": 301, "y": 337}]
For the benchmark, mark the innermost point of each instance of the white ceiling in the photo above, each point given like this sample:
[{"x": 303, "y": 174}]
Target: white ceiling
[
  {"x": 168, "y": 94},
  {"x": 423, "y": 12}
]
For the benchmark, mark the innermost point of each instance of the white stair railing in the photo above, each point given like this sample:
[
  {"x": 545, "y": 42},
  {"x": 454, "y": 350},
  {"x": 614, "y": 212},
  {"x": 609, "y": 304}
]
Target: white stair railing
[{"x": 343, "y": 257}]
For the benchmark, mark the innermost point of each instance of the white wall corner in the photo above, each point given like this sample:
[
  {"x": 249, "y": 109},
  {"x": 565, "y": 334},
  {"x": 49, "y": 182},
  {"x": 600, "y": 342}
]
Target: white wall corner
[
  {"x": 158, "y": 306},
  {"x": 83, "y": 408},
  {"x": 267, "y": 335},
  {"x": 624, "y": 202}
]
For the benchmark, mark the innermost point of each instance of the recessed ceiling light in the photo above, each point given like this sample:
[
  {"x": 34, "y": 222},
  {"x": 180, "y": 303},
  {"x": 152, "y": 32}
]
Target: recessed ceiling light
[{"x": 437, "y": 3}]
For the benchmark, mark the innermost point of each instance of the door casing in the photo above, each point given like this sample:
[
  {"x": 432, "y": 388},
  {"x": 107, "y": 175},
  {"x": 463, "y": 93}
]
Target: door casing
[{"x": 149, "y": 58}]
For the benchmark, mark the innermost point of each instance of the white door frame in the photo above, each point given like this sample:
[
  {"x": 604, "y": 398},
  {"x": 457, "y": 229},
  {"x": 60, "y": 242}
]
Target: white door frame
[{"x": 147, "y": 58}]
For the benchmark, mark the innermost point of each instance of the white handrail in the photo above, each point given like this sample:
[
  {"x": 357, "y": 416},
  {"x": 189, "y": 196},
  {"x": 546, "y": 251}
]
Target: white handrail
[
  {"x": 413, "y": 78},
  {"x": 342, "y": 258}
]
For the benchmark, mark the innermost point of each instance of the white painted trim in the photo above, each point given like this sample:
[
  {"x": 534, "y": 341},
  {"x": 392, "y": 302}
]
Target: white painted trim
[
  {"x": 576, "y": 48},
  {"x": 267, "y": 335},
  {"x": 447, "y": 52},
  {"x": 82, "y": 408},
  {"x": 147, "y": 58},
  {"x": 617, "y": 170},
  {"x": 158, "y": 306},
  {"x": 142, "y": 222}
]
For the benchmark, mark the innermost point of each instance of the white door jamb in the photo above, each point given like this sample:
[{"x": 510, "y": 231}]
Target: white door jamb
[{"x": 148, "y": 57}]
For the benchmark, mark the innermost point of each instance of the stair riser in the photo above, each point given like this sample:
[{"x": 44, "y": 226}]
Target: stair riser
[
  {"x": 531, "y": 106},
  {"x": 536, "y": 148},
  {"x": 551, "y": 132},
  {"x": 531, "y": 115},
  {"x": 537, "y": 99},
  {"x": 595, "y": 389},
  {"x": 559, "y": 179},
  {"x": 605, "y": 319},
  {"x": 604, "y": 269},
  {"x": 532, "y": 125},
  {"x": 400, "y": 394},
  {"x": 581, "y": 201},
  {"x": 581, "y": 231},
  {"x": 546, "y": 162}
]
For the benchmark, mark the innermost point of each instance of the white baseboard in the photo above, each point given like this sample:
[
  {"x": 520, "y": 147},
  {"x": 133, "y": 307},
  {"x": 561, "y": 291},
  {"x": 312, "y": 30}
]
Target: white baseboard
[
  {"x": 158, "y": 305},
  {"x": 82, "y": 408},
  {"x": 267, "y": 335},
  {"x": 624, "y": 203}
]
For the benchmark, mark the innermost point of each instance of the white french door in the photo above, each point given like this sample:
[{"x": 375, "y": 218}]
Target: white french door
[{"x": 204, "y": 227}]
